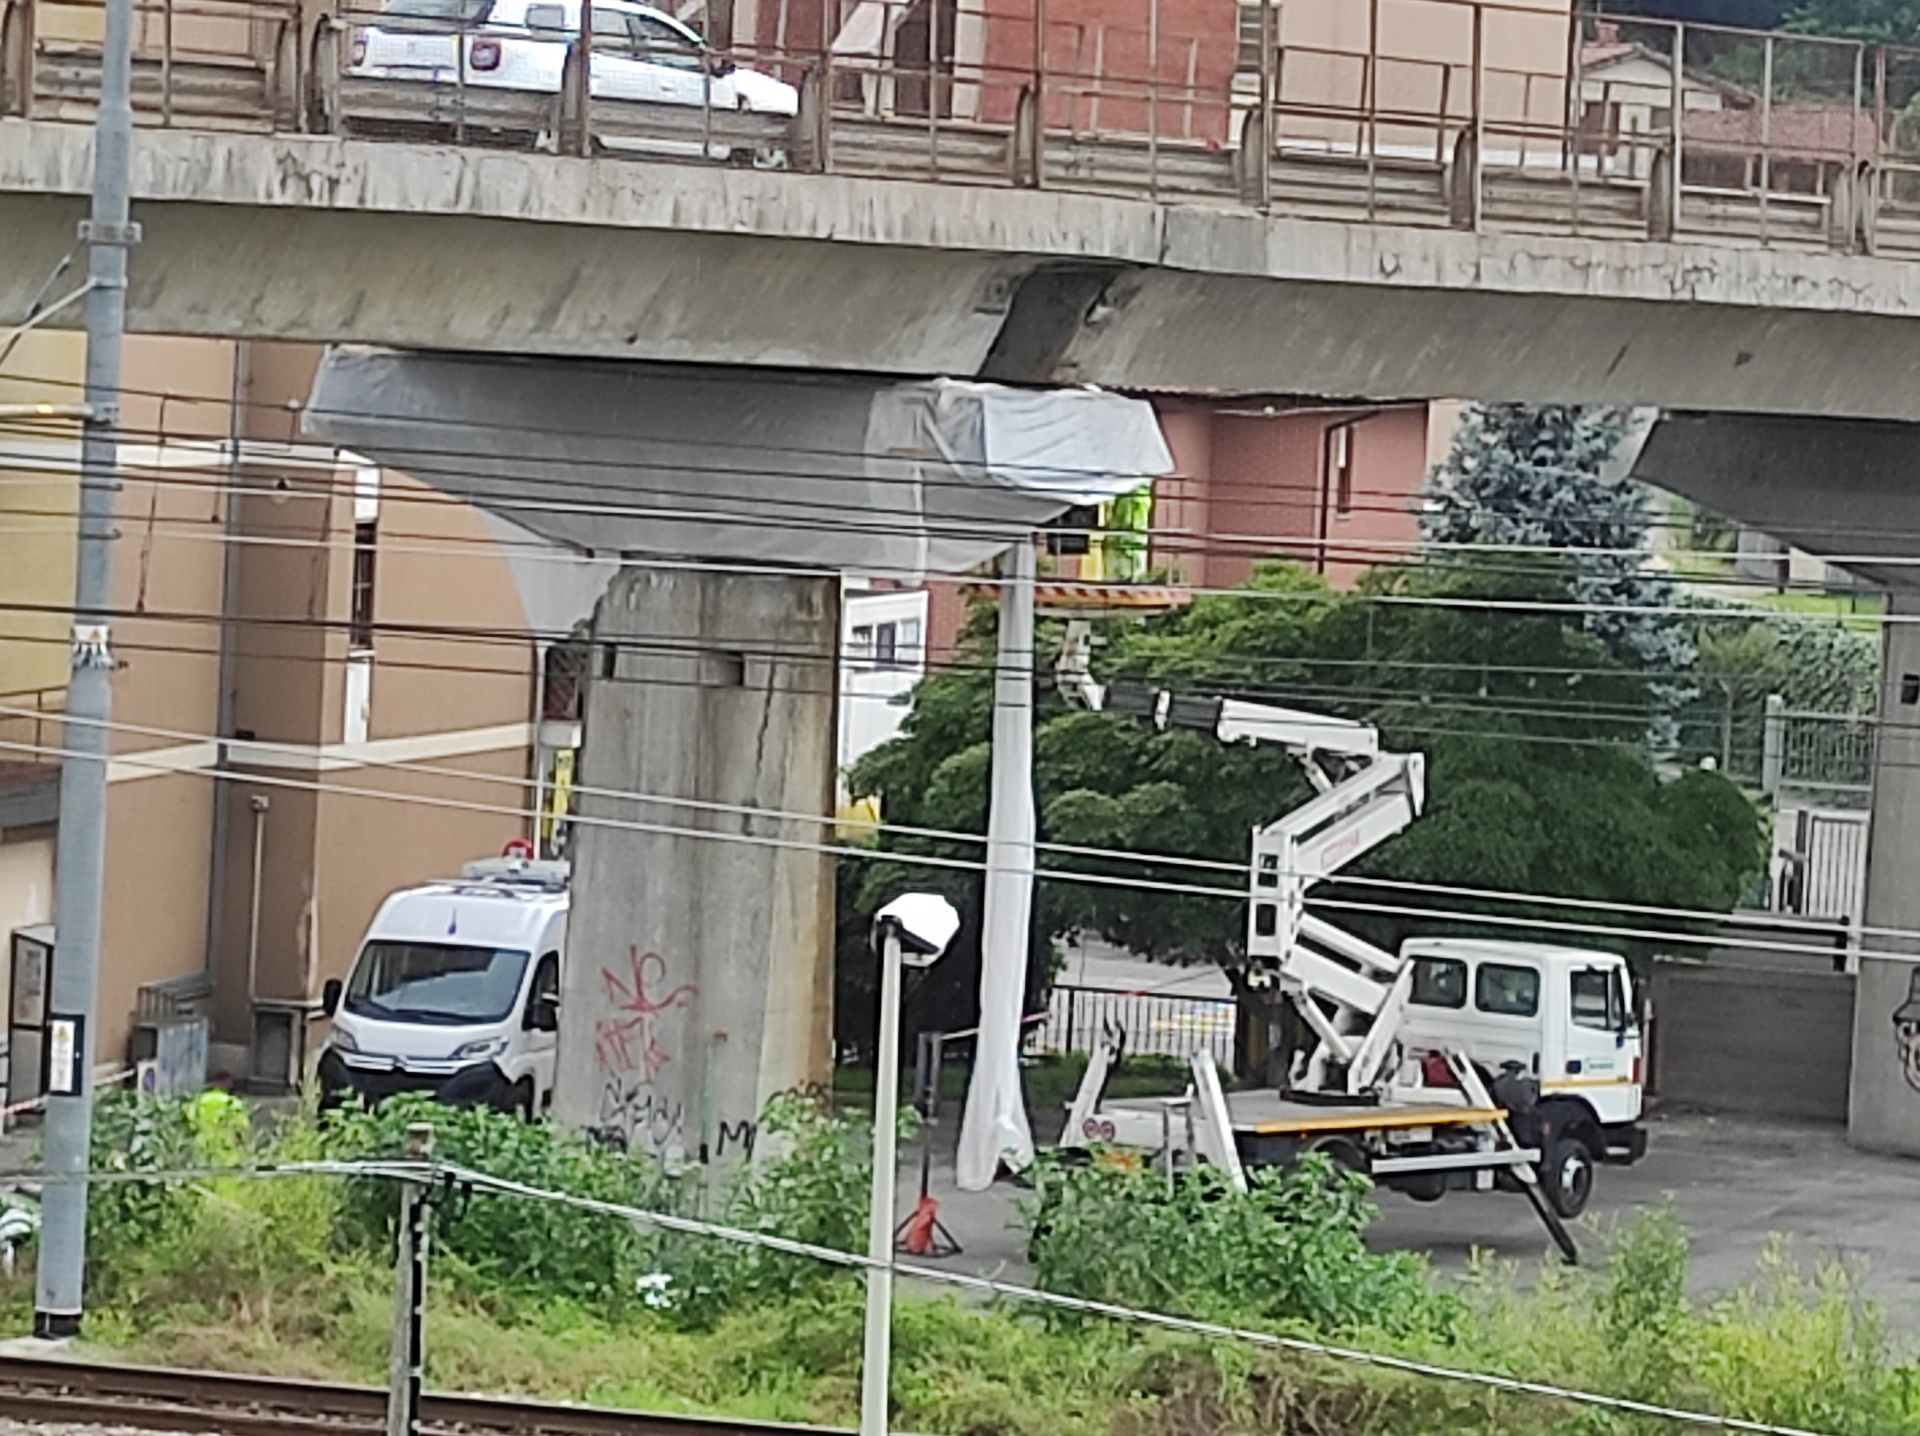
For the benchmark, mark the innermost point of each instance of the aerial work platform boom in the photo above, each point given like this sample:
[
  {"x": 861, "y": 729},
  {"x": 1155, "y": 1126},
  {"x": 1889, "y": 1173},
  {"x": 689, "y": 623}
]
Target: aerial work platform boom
[{"x": 1390, "y": 1072}]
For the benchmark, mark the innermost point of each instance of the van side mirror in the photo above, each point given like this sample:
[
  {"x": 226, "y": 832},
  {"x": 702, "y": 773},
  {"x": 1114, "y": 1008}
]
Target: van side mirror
[
  {"x": 543, "y": 1015},
  {"x": 330, "y": 996}
]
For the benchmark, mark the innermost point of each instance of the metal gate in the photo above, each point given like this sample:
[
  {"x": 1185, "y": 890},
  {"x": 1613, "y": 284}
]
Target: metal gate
[{"x": 1821, "y": 863}]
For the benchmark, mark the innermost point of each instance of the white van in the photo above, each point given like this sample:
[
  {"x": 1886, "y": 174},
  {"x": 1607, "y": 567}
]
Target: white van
[{"x": 456, "y": 991}]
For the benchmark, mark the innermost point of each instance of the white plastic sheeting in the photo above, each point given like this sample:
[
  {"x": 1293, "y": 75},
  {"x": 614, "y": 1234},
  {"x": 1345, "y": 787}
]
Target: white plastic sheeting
[
  {"x": 993, "y": 1129},
  {"x": 843, "y": 472}
]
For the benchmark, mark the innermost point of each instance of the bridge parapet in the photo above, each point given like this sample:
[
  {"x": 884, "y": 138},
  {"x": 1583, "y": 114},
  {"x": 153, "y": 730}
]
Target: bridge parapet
[{"x": 1492, "y": 116}]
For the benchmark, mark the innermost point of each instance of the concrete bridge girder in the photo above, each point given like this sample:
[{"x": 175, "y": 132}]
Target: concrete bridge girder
[{"x": 298, "y": 237}]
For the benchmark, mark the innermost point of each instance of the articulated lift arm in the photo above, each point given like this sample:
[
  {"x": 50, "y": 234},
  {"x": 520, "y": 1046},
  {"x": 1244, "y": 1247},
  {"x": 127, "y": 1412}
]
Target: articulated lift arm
[{"x": 1348, "y": 992}]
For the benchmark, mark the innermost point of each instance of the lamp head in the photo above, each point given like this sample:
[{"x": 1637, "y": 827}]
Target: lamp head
[{"x": 924, "y": 922}]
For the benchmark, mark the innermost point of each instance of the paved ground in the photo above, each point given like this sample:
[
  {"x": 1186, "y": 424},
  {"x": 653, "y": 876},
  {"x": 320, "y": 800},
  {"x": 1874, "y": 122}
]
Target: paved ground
[{"x": 1735, "y": 1181}]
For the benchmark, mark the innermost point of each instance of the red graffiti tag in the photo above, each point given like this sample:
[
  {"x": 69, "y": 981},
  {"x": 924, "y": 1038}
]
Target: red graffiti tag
[{"x": 629, "y": 1040}]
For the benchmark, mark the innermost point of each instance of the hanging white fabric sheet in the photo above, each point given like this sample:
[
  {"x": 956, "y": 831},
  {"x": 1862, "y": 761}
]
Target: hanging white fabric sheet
[{"x": 842, "y": 472}]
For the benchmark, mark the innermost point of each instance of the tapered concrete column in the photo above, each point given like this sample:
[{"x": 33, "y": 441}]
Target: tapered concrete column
[
  {"x": 699, "y": 974},
  {"x": 1884, "y": 1098}
]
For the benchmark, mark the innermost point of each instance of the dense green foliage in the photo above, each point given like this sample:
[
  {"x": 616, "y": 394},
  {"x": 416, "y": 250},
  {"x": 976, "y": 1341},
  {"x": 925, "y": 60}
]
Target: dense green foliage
[
  {"x": 1289, "y": 1251},
  {"x": 1544, "y": 477},
  {"x": 292, "y": 1274},
  {"x": 1879, "y": 22},
  {"x": 1539, "y": 780},
  {"x": 506, "y": 1247}
]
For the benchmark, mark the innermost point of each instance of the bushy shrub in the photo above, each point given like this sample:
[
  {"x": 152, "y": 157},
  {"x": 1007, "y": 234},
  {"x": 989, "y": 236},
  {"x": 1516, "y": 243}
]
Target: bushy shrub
[
  {"x": 1288, "y": 1249},
  {"x": 511, "y": 1245}
]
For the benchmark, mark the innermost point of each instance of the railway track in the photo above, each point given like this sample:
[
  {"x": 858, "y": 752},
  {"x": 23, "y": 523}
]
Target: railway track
[{"x": 145, "y": 1398}]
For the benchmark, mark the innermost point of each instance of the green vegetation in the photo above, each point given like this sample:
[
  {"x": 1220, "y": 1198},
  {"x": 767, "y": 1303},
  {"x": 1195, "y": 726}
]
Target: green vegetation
[
  {"x": 292, "y": 1275},
  {"x": 1539, "y": 775}
]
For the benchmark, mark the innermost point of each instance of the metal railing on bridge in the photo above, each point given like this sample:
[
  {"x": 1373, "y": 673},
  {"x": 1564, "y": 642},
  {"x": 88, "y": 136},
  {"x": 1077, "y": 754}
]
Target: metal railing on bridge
[{"x": 1485, "y": 115}]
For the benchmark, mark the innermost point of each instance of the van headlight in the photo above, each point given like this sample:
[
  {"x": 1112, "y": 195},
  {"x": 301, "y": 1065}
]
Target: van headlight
[
  {"x": 480, "y": 1049},
  {"x": 342, "y": 1041}
]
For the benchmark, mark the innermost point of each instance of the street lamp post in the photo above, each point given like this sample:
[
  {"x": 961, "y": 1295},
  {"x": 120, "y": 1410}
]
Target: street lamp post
[{"x": 915, "y": 929}]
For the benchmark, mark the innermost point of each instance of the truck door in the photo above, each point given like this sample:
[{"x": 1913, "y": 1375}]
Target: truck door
[
  {"x": 1503, "y": 1023},
  {"x": 1602, "y": 1043}
]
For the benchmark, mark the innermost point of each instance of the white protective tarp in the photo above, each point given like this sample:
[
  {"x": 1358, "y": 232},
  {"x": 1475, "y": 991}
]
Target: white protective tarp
[
  {"x": 842, "y": 472},
  {"x": 993, "y": 1129},
  {"x": 851, "y": 473}
]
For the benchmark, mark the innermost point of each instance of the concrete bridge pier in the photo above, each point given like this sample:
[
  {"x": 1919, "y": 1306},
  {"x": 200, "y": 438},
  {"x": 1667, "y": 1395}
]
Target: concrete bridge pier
[
  {"x": 1845, "y": 490},
  {"x": 700, "y": 972},
  {"x": 1883, "y": 1107}
]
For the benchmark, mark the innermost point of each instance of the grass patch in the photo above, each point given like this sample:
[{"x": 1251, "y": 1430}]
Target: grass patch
[{"x": 292, "y": 1275}]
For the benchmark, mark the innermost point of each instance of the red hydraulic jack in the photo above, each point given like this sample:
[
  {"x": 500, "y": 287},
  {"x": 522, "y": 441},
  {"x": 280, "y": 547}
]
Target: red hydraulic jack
[{"x": 923, "y": 1234}]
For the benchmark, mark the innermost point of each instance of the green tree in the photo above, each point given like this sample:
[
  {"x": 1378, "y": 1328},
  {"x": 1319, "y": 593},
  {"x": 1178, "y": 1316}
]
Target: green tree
[
  {"x": 1746, "y": 655},
  {"x": 1537, "y": 477},
  {"x": 1538, "y": 777},
  {"x": 1879, "y": 22}
]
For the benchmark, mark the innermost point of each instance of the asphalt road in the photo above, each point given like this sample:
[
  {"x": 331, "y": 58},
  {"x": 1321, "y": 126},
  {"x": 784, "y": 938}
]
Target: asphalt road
[{"x": 1735, "y": 1181}]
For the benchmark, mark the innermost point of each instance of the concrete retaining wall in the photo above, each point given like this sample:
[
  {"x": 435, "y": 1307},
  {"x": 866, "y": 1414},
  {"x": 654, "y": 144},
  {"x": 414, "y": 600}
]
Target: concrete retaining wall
[{"x": 1744, "y": 1040}]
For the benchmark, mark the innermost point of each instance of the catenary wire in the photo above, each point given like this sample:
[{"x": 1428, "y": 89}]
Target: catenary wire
[
  {"x": 526, "y": 813},
  {"x": 950, "y": 835}
]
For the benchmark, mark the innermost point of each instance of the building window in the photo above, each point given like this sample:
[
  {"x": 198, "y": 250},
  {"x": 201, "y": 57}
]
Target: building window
[
  {"x": 360, "y": 622},
  {"x": 1247, "y": 58},
  {"x": 885, "y": 645},
  {"x": 1506, "y": 990},
  {"x": 1071, "y": 533},
  {"x": 1339, "y": 462}
]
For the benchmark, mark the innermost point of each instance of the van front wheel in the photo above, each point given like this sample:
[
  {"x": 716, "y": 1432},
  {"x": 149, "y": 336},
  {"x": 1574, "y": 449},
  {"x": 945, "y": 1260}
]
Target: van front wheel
[{"x": 524, "y": 1101}]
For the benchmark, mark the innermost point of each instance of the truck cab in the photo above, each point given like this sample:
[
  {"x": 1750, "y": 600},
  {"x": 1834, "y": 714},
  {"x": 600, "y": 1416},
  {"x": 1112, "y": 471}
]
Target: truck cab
[
  {"x": 1563, "y": 1017},
  {"x": 455, "y": 992}
]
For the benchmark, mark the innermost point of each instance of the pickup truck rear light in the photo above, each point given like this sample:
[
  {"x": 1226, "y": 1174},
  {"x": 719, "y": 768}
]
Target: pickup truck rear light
[
  {"x": 484, "y": 54},
  {"x": 357, "y": 48},
  {"x": 1637, "y": 1065}
]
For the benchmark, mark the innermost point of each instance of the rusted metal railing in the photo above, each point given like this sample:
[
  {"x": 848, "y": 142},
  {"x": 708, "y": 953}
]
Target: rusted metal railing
[{"x": 1473, "y": 114}]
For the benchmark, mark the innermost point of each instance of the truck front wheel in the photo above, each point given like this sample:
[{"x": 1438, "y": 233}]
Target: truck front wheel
[{"x": 1566, "y": 1173}]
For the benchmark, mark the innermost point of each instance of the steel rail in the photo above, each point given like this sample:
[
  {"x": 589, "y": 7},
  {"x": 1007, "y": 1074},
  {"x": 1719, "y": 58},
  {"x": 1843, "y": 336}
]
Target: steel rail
[{"x": 144, "y": 1398}]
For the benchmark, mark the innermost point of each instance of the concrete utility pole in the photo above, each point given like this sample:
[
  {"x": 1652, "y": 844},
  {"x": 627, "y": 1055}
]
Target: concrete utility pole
[{"x": 81, "y": 854}]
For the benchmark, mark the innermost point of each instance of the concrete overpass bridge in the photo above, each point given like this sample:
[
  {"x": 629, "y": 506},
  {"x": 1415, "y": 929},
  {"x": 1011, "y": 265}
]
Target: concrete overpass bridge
[
  {"x": 1493, "y": 209},
  {"x": 435, "y": 246}
]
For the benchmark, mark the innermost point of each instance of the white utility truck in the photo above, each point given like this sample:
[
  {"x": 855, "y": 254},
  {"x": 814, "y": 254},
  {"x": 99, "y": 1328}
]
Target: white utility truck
[
  {"x": 456, "y": 992},
  {"x": 1456, "y": 1064}
]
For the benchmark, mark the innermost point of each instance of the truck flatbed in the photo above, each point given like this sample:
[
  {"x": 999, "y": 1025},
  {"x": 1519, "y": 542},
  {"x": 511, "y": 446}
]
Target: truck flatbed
[{"x": 1266, "y": 1113}]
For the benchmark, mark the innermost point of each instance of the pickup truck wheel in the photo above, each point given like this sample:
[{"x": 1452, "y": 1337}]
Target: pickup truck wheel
[{"x": 1566, "y": 1173}]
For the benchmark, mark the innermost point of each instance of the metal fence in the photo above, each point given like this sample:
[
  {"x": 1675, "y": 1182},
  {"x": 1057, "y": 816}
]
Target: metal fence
[
  {"x": 1154, "y": 1023},
  {"x": 1821, "y": 752},
  {"x": 1476, "y": 114}
]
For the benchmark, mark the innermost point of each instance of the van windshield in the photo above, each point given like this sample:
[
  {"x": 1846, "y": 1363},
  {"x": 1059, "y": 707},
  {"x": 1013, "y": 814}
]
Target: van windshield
[{"x": 435, "y": 982}]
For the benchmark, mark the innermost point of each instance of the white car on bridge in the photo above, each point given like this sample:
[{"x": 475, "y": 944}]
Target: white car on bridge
[{"x": 655, "y": 82}]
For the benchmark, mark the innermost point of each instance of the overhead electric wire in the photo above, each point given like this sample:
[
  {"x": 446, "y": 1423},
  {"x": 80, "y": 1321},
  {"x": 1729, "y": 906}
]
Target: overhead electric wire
[
  {"x": 481, "y": 425},
  {"x": 956, "y": 836},
  {"x": 253, "y": 778},
  {"x": 1434, "y": 700}
]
